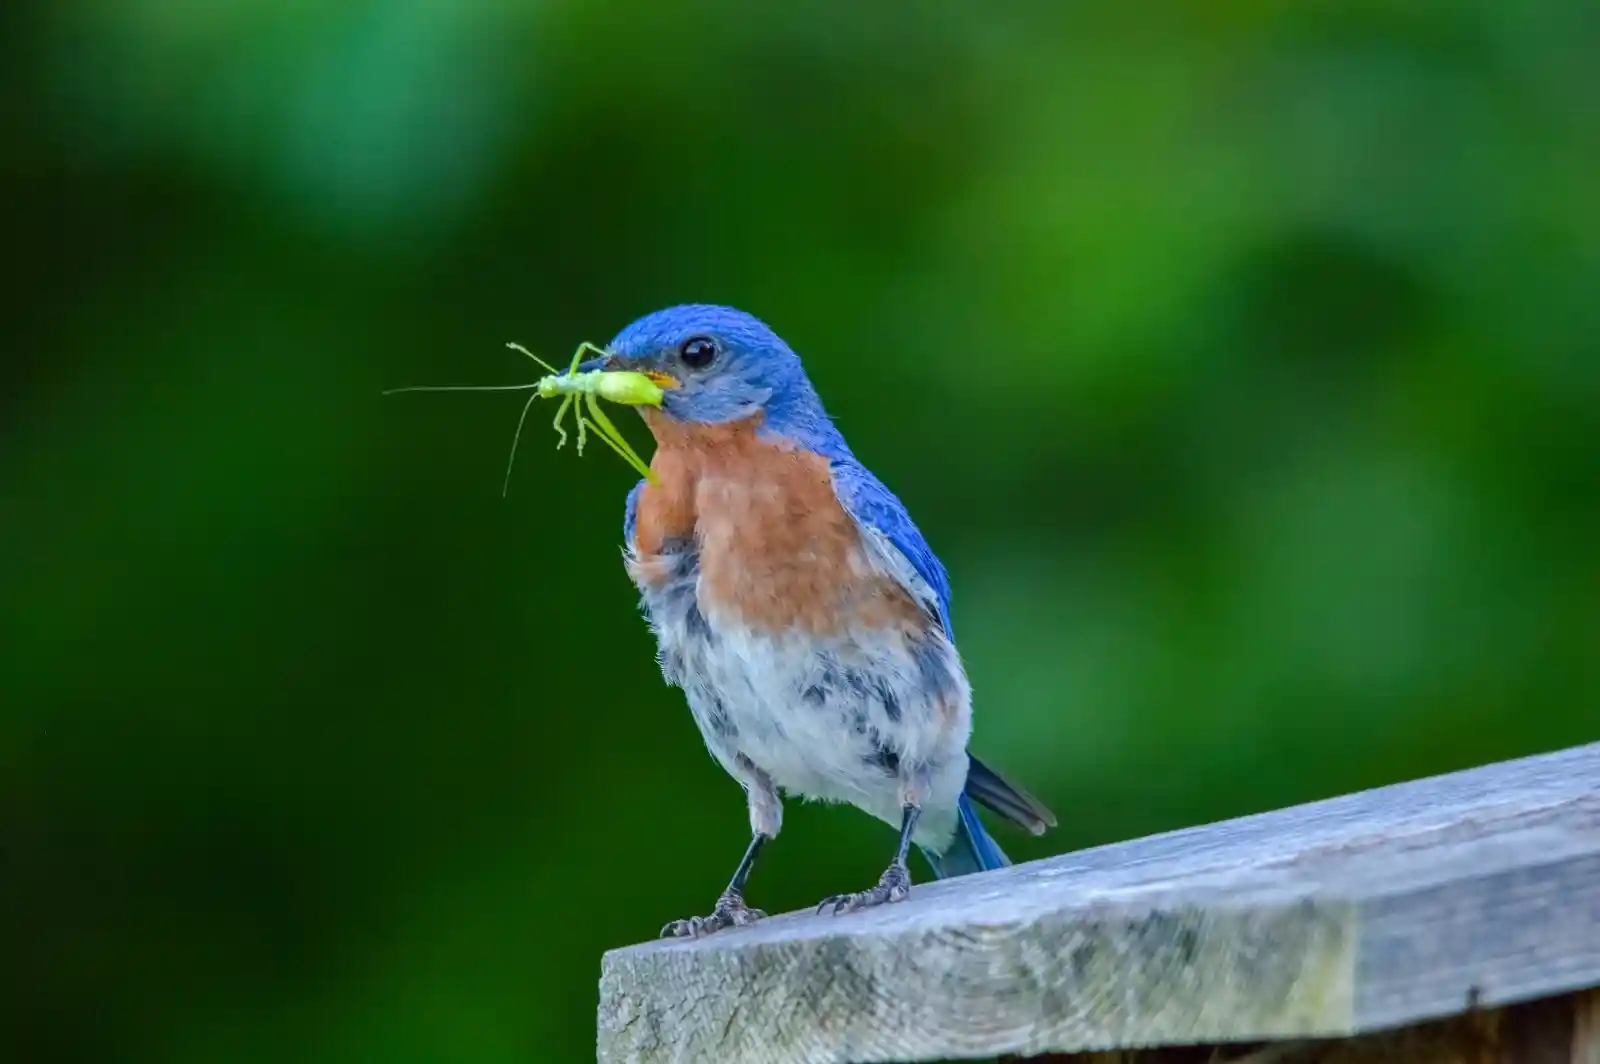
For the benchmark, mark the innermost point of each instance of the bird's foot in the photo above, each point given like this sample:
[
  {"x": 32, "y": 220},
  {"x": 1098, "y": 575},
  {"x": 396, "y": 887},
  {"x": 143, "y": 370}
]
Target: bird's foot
[
  {"x": 730, "y": 911},
  {"x": 894, "y": 885}
]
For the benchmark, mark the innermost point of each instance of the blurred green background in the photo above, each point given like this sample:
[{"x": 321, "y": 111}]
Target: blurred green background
[{"x": 1242, "y": 362}]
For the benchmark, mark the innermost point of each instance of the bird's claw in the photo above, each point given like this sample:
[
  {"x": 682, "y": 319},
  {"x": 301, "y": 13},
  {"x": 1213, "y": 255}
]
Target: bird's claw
[
  {"x": 730, "y": 911},
  {"x": 894, "y": 885}
]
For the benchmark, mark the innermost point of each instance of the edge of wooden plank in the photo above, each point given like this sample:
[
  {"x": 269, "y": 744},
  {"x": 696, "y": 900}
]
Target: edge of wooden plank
[{"x": 1221, "y": 933}]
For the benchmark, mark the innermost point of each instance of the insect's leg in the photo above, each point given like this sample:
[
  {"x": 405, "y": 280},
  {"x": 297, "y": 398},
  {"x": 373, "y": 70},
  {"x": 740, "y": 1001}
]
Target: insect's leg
[
  {"x": 561, "y": 411},
  {"x": 577, "y": 356},
  {"x": 617, "y": 441},
  {"x": 602, "y": 423},
  {"x": 611, "y": 443}
]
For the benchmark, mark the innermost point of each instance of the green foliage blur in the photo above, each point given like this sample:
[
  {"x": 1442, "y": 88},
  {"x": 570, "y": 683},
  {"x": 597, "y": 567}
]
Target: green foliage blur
[{"x": 1242, "y": 362}]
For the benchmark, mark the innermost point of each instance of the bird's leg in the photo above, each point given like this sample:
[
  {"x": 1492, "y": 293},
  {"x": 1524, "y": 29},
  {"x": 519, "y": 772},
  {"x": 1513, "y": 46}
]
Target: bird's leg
[
  {"x": 894, "y": 884},
  {"x": 766, "y": 820},
  {"x": 730, "y": 910}
]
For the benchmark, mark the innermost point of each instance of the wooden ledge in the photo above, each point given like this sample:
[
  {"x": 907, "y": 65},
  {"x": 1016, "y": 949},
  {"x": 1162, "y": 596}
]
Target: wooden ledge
[{"x": 1428, "y": 900}]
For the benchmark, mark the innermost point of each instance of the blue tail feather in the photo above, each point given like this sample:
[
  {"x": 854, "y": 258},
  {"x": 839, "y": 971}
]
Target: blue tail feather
[{"x": 972, "y": 849}]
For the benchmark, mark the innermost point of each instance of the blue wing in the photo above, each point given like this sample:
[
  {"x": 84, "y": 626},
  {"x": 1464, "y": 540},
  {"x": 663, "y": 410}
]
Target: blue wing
[
  {"x": 630, "y": 516},
  {"x": 876, "y": 508},
  {"x": 889, "y": 529}
]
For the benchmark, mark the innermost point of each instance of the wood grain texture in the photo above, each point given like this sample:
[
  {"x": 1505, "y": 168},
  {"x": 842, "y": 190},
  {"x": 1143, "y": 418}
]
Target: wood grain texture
[{"x": 1375, "y": 910}]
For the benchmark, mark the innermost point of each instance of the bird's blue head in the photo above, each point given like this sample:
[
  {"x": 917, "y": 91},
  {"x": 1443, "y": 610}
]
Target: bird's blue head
[{"x": 725, "y": 365}]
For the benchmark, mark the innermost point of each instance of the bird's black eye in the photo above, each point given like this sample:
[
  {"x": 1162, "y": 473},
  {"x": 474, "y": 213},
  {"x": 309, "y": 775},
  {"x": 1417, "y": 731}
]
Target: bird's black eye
[{"x": 698, "y": 351}]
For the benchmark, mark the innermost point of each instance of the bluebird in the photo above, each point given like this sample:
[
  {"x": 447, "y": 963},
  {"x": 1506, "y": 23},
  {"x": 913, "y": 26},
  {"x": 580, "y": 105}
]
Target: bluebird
[{"x": 798, "y": 607}]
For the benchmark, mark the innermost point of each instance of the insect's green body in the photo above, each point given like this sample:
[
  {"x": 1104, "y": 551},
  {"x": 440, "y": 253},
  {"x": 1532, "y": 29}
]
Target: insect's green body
[{"x": 614, "y": 386}]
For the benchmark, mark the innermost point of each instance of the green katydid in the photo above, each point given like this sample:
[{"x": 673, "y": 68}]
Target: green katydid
[{"x": 575, "y": 389}]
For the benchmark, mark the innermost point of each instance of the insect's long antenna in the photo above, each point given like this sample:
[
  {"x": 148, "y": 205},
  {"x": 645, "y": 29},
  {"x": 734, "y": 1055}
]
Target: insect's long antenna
[
  {"x": 516, "y": 437},
  {"x": 462, "y": 388},
  {"x": 547, "y": 367}
]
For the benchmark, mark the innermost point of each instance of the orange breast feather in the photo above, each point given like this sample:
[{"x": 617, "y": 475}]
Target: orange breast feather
[{"x": 776, "y": 549}]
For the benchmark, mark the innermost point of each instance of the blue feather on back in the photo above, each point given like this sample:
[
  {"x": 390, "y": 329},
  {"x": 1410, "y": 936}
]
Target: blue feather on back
[
  {"x": 871, "y": 503},
  {"x": 867, "y": 500}
]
